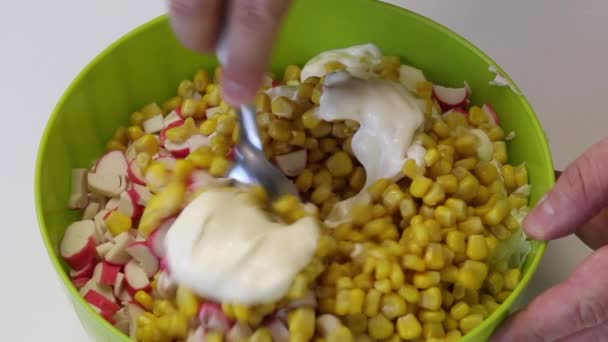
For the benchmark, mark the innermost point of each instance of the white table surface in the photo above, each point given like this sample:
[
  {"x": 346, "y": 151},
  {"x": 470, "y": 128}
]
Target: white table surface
[{"x": 554, "y": 49}]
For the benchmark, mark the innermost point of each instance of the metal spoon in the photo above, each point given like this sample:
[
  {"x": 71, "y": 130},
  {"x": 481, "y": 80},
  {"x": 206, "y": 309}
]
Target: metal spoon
[{"x": 251, "y": 165}]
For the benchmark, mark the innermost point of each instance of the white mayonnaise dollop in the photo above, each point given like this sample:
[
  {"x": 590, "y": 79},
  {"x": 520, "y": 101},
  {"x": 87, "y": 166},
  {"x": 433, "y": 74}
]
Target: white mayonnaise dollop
[
  {"x": 388, "y": 116},
  {"x": 359, "y": 61},
  {"x": 224, "y": 247}
]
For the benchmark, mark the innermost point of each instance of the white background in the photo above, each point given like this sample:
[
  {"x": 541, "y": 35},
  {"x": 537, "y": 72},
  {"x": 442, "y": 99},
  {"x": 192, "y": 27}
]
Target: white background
[{"x": 554, "y": 49}]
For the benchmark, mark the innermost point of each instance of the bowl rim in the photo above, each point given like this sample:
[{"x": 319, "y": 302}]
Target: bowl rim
[{"x": 162, "y": 19}]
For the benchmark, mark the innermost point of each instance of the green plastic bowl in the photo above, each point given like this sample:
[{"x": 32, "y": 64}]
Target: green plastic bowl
[{"x": 148, "y": 63}]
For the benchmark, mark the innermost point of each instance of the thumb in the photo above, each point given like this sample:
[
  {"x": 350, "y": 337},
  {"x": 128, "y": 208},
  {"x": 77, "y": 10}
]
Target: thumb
[
  {"x": 576, "y": 310},
  {"x": 579, "y": 194}
]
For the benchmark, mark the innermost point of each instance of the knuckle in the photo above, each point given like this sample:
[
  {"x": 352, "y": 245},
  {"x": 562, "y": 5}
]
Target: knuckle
[
  {"x": 253, "y": 13},
  {"x": 590, "y": 313},
  {"x": 586, "y": 176}
]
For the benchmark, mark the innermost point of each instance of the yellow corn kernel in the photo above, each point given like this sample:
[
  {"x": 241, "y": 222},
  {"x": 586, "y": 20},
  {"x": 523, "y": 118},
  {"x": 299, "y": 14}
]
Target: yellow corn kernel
[
  {"x": 357, "y": 323},
  {"x": 321, "y": 130},
  {"x": 453, "y": 335},
  {"x": 377, "y": 189},
  {"x": 340, "y": 334},
  {"x": 512, "y": 278},
  {"x": 298, "y": 138},
  {"x": 334, "y": 66},
  {"x": 226, "y": 125},
  {"x": 379, "y": 327},
  {"x": 445, "y": 216},
  {"x": 426, "y": 280},
  {"x": 201, "y": 80},
  {"x": 357, "y": 300},
  {"x": 431, "y": 156},
  {"x": 190, "y": 108},
  {"x": 397, "y": 276},
  {"x": 459, "y": 310},
  {"x": 449, "y": 183},
  {"x": 430, "y": 298},
  {"x": 283, "y": 107},
  {"x": 147, "y": 143},
  {"x": 500, "y": 152},
  {"x": 321, "y": 194},
  {"x": 508, "y": 174},
  {"x": 433, "y": 257},
  {"x": 260, "y": 335},
  {"x": 408, "y": 327},
  {"x": 495, "y": 283},
  {"x": 378, "y": 211},
  {"x": 208, "y": 126},
  {"x": 383, "y": 285},
  {"x": 466, "y": 145},
  {"x": 441, "y": 129},
  {"x": 214, "y": 336},
  {"x": 502, "y": 296},
  {"x": 372, "y": 303},
  {"x": 407, "y": 208},
  {"x": 495, "y": 215},
  {"x": 393, "y": 306},
  {"x": 469, "y": 322},
  {"x": 118, "y": 223},
  {"x": 413, "y": 262},
  {"x": 420, "y": 187},
  {"x": 328, "y": 145},
  {"x": 160, "y": 206},
  {"x": 171, "y": 104},
  {"x": 121, "y": 135},
  {"x": 135, "y": 132},
  {"x": 486, "y": 172},
  {"x": 301, "y": 322},
  {"x": 219, "y": 166},
  {"x": 182, "y": 133},
  {"x": 115, "y": 145},
  {"x": 471, "y": 225},
  {"x": 304, "y": 180},
  {"x": 144, "y": 299},
  {"x": 477, "y": 116},
  {"x": 202, "y": 157},
  {"x": 310, "y": 119},
  {"x": 185, "y": 89},
  {"x": 339, "y": 164},
  {"x": 455, "y": 240},
  {"x": 186, "y": 302},
  {"x": 280, "y": 130},
  {"x": 183, "y": 169},
  {"x": 383, "y": 269},
  {"x": 434, "y": 195},
  {"x": 477, "y": 249},
  {"x": 323, "y": 177},
  {"x": 151, "y": 110},
  {"x": 521, "y": 175},
  {"x": 392, "y": 196},
  {"x": 500, "y": 232},
  {"x": 162, "y": 307},
  {"x": 410, "y": 294},
  {"x": 472, "y": 274},
  {"x": 411, "y": 169},
  {"x": 432, "y": 316},
  {"x": 433, "y": 331},
  {"x": 137, "y": 118}
]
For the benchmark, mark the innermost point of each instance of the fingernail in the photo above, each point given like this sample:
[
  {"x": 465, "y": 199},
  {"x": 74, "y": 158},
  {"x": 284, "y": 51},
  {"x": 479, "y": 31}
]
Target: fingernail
[
  {"x": 545, "y": 205},
  {"x": 222, "y": 49},
  {"x": 533, "y": 224}
]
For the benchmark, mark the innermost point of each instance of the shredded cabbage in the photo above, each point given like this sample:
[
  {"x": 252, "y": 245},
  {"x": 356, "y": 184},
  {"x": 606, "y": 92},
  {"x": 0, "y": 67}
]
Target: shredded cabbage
[{"x": 512, "y": 252}]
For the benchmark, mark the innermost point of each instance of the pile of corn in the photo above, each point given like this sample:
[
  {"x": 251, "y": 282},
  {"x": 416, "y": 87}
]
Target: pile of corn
[{"x": 412, "y": 265}]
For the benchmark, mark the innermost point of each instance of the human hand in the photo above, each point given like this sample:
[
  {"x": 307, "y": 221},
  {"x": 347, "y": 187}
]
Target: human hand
[
  {"x": 577, "y": 309},
  {"x": 244, "y": 30}
]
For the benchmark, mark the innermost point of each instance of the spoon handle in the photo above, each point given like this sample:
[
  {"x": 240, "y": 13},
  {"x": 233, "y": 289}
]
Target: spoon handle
[{"x": 249, "y": 133}]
